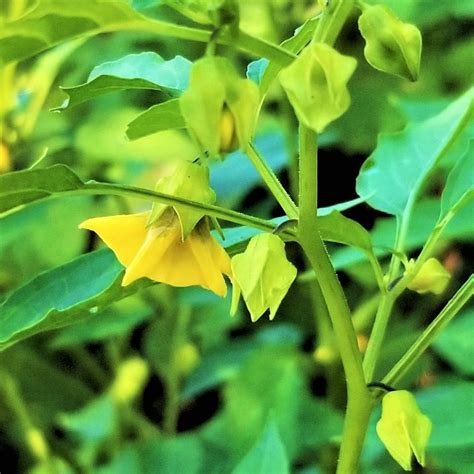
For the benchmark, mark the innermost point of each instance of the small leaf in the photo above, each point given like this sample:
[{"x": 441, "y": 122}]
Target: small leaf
[
  {"x": 268, "y": 455},
  {"x": 135, "y": 71},
  {"x": 157, "y": 118},
  {"x": 402, "y": 162}
]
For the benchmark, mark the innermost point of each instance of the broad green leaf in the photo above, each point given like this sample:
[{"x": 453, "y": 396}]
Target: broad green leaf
[
  {"x": 135, "y": 71},
  {"x": 117, "y": 319},
  {"x": 52, "y": 22},
  {"x": 61, "y": 296},
  {"x": 23, "y": 187},
  {"x": 156, "y": 119},
  {"x": 455, "y": 343},
  {"x": 449, "y": 404},
  {"x": 424, "y": 218},
  {"x": 460, "y": 184},
  {"x": 266, "y": 456},
  {"x": 401, "y": 164}
]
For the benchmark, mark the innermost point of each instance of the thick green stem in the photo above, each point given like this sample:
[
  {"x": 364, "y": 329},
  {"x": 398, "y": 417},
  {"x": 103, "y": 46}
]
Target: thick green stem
[
  {"x": 358, "y": 403},
  {"x": 272, "y": 182}
]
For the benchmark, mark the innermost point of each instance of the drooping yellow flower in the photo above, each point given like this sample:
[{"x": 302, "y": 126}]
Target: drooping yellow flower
[{"x": 159, "y": 253}]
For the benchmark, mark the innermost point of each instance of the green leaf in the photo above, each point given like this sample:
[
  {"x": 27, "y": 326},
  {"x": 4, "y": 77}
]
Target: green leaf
[
  {"x": 401, "y": 164},
  {"x": 135, "y": 71},
  {"x": 263, "y": 72},
  {"x": 460, "y": 184},
  {"x": 267, "y": 455},
  {"x": 95, "y": 422},
  {"x": 61, "y": 296},
  {"x": 115, "y": 320},
  {"x": 156, "y": 119},
  {"x": 52, "y": 22},
  {"x": 455, "y": 343},
  {"x": 181, "y": 454},
  {"x": 450, "y": 405},
  {"x": 424, "y": 217},
  {"x": 27, "y": 186}
]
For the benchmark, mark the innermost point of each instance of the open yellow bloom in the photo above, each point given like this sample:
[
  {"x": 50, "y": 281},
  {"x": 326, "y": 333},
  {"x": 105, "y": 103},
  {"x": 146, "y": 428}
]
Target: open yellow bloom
[{"x": 159, "y": 253}]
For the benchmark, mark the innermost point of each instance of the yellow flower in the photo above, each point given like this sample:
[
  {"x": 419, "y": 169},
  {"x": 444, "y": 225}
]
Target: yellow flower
[{"x": 159, "y": 253}]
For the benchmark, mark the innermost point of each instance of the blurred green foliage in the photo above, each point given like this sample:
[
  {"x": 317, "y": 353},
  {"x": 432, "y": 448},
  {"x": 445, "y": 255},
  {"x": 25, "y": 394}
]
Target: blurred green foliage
[{"x": 240, "y": 397}]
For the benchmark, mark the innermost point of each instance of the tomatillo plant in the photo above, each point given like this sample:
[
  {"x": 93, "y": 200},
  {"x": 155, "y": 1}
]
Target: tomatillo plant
[{"x": 154, "y": 333}]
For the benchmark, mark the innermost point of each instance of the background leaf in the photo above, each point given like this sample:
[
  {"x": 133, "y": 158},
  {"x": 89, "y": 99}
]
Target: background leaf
[
  {"x": 398, "y": 168},
  {"x": 135, "y": 71},
  {"x": 267, "y": 455}
]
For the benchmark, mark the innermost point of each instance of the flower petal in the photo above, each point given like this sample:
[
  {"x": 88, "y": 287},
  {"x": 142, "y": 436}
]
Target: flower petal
[{"x": 123, "y": 234}]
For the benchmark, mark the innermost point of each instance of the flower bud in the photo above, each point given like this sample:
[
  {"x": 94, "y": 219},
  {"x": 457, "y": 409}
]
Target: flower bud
[
  {"x": 391, "y": 45},
  {"x": 189, "y": 181},
  {"x": 219, "y": 107},
  {"x": 403, "y": 429},
  {"x": 130, "y": 380},
  {"x": 432, "y": 277},
  {"x": 37, "y": 443},
  {"x": 316, "y": 85},
  {"x": 186, "y": 358},
  {"x": 262, "y": 274}
]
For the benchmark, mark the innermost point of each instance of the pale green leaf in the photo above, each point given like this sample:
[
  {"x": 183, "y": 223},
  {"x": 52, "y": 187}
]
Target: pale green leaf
[
  {"x": 268, "y": 454},
  {"x": 135, "y": 71},
  {"x": 460, "y": 184},
  {"x": 400, "y": 165}
]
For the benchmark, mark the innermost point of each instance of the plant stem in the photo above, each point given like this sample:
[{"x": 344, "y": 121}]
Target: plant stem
[
  {"x": 154, "y": 196},
  {"x": 410, "y": 357},
  {"x": 388, "y": 299},
  {"x": 377, "y": 335},
  {"x": 358, "y": 399},
  {"x": 242, "y": 40},
  {"x": 272, "y": 182}
]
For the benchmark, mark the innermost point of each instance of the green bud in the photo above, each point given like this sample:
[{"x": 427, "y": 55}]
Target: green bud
[
  {"x": 403, "y": 429},
  {"x": 391, "y": 45},
  {"x": 217, "y": 101},
  {"x": 432, "y": 277},
  {"x": 316, "y": 85},
  {"x": 189, "y": 181},
  {"x": 130, "y": 380},
  {"x": 262, "y": 274}
]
